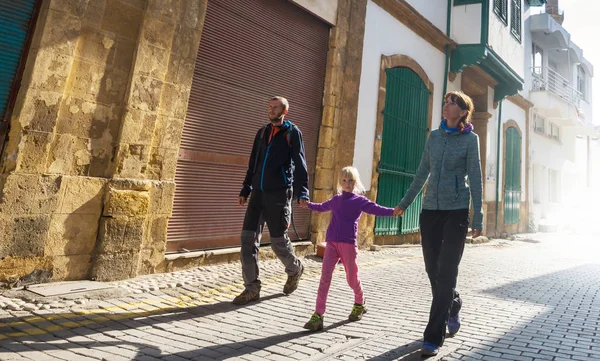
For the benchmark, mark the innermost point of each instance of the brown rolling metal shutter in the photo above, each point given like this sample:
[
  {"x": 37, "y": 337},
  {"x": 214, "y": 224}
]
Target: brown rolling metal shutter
[{"x": 250, "y": 50}]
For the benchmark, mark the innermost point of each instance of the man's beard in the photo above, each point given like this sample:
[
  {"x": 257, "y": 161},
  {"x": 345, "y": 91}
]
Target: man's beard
[{"x": 277, "y": 118}]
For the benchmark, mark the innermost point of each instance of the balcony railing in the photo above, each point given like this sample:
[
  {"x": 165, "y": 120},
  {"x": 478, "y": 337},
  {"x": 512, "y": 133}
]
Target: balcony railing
[{"x": 547, "y": 79}]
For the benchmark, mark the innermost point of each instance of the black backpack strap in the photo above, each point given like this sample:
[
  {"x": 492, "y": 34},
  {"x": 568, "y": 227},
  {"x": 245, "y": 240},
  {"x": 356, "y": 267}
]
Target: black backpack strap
[
  {"x": 260, "y": 144},
  {"x": 288, "y": 133},
  {"x": 262, "y": 132}
]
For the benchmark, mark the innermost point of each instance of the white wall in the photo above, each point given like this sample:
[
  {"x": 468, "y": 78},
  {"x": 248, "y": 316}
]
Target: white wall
[
  {"x": 492, "y": 151},
  {"x": 384, "y": 35},
  {"x": 456, "y": 84},
  {"x": 539, "y": 188},
  {"x": 504, "y": 44},
  {"x": 587, "y": 107},
  {"x": 581, "y": 163},
  {"x": 548, "y": 155},
  {"x": 466, "y": 24},
  {"x": 595, "y": 164},
  {"x": 527, "y": 50},
  {"x": 433, "y": 10},
  {"x": 548, "y": 152},
  {"x": 325, "y": 9}
]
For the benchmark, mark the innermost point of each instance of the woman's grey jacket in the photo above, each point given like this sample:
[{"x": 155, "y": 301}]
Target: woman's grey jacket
[{"x": 448, "y": 161}]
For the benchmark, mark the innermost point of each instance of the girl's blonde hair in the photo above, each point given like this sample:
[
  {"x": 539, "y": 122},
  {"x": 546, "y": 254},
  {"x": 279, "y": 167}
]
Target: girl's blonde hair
[{"x": 351, "y": 173}]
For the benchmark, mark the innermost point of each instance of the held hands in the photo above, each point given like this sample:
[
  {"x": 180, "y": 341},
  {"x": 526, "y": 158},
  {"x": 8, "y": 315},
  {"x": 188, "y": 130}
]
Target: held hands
[
  {"x": 398, "y": 211},
  {"x": 303, "y": 202},
  {"x": 243, "y": 200}
]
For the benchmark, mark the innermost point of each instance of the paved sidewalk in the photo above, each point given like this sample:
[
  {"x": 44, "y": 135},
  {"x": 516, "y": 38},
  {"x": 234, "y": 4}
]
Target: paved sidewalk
[{"x": 522, "y": 301}]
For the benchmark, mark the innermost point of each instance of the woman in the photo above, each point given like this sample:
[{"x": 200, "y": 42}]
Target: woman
[{"x": 451, "y": 155}]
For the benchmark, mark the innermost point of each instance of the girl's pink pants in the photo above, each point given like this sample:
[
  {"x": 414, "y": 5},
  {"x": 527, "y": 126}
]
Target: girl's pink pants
[{"x": 348, "y": 253}]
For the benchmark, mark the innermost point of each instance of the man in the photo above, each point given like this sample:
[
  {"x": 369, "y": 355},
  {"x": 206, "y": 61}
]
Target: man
[{"x": 276, "y": 173}]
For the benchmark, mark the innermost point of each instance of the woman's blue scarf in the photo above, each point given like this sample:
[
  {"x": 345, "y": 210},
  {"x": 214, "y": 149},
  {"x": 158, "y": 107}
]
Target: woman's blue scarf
[{"x": 445, "y": 127}]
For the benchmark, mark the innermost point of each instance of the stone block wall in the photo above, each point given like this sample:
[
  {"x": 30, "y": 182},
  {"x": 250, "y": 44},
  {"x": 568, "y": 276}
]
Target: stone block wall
[
  {"x": 132, "y": 232},
  {"x": 88, "y": 167},
  {"x": 87, "y": 173},
  {"x": 340, "y": 107}
]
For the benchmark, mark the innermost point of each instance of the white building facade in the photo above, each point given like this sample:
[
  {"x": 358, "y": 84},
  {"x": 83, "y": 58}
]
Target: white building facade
[
  {"x": 489, "y": 67},
  {"x": 559, "y": 84},
  {"x": 413, "y": 53},
  {"x": 401, "y": 91}
]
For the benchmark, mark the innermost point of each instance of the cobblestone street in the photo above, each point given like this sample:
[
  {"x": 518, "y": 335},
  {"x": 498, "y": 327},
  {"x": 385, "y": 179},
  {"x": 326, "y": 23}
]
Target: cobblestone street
[{"x": 533, "y": 298}]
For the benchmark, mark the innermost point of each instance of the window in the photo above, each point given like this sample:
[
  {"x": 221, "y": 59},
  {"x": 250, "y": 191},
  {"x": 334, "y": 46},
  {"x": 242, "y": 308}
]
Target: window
[
  {"x": 515, "y": 19},
  {"x": 581, "y": 81},
  {"x": 537, "y": 68},
  {"x": 539, "y": 124},
  {"x": 537, "y": 59},
  {"x": 554, "y": 186},
  {"x": 501, "y": 9},
  {"x": 554, "y": 132}
]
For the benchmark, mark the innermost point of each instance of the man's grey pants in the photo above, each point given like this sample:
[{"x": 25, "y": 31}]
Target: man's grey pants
[{"x": 274, "y": 207}]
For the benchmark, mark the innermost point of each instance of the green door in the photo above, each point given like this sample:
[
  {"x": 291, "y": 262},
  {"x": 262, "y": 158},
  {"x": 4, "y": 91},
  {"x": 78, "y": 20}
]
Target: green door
[
  {"x": 405, "y": 129},
  {"x": 512, "y": 177}
]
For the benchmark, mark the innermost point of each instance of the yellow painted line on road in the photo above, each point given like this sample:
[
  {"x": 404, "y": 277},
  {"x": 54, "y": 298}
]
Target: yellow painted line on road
[
  {"x": 35, "y": 331},
  {"x": 69, "y": 324},
  {"x": 147, "y": 307},
  {"x": 16, "y": 334}
]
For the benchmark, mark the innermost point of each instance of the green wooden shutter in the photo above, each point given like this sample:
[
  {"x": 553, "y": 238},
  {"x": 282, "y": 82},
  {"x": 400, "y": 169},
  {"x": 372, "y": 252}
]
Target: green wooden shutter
[
  {"x": 515, "y": 19},
  {"x": 501, "y": 9},
  {"x": 512, "y": 177},
  {"x": 15, "y": 19},
  {"x": 405, "y": 129}
]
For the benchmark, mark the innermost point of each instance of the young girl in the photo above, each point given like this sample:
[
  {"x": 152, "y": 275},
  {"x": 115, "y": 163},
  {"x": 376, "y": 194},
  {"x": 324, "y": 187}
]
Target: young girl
[{"x": 347, "y": 207}]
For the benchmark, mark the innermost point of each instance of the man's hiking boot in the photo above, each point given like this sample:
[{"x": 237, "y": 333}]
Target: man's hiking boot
[
  {"x": 292, "y": 281},
  {"x": 315, "y": 323},
  {"x": 246, "y": 296},
  {"x": 357, "y": 312}
]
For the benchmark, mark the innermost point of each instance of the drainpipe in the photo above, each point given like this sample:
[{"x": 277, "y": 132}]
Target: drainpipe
[
  {"x": 498, "y": 165},
  {"x": 446, "y": 66}
]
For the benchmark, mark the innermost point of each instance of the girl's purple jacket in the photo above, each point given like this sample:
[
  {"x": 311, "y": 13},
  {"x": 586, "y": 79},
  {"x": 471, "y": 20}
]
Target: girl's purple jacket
[{"x": 346, "y": 209}]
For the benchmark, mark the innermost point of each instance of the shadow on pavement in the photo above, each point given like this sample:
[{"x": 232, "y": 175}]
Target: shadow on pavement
[
  {"x": 556, "y": 316},
  {"x": 35, "y": 330},
  {"x": 238, "y": 349},
  {"x": 567, "y": 326},
  {"x": 407, "y": 352},
  {"x": 145, "y": 348},
  {"x": 174, "y": 314}
]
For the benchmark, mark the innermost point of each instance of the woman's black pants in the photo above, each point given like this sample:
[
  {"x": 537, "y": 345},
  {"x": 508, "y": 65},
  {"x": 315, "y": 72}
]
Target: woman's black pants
[{"x": 443, "y": 235}]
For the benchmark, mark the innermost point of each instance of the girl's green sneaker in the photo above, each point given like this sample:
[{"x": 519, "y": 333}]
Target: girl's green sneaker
[
  {"x": 315, "y": 323},
  {"x": 357, "y": 312}
]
